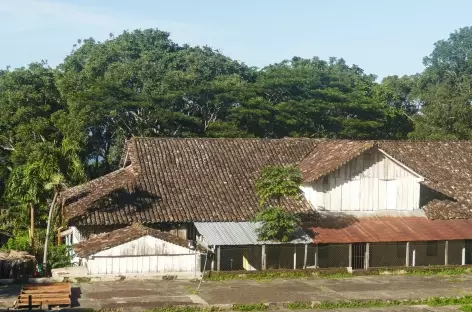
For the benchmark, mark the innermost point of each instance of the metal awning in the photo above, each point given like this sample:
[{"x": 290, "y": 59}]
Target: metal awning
[{"x": 240, "y": 233}]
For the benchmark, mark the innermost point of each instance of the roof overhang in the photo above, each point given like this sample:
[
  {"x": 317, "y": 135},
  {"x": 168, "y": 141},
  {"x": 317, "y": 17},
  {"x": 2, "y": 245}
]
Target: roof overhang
[
  {"x": 240, "y": 233},
  {"x": 348, "y": 229}
]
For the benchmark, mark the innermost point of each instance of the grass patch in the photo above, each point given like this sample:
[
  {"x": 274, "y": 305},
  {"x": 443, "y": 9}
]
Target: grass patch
[
  {"x": 464, "y": 301},
  {"x": 298, "y": 305},
  {"x": 337, "y": 273},
  {"x": 185, "y": 309},
  {"x": 249, "y": 307},
  {"x": 83, "y": 279}
]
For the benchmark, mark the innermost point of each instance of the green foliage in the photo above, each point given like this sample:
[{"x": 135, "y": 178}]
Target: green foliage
[
  {"x": 276, "y": 182},
  {"x": 273, "y": 184},
  {"x": 59, "y": 256},
  {"x": 19, "y": 242},
  {"x": 250, "y": 307},
  {"x": 276, "y": 224},
  {"x": 61, "y": 126}
]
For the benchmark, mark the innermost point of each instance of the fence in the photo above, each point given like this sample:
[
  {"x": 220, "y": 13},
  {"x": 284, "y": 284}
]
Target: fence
[{"x": 356, "y": 256}]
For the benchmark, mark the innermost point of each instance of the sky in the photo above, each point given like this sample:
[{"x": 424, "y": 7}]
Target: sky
[{"x": 383, "y": 37}]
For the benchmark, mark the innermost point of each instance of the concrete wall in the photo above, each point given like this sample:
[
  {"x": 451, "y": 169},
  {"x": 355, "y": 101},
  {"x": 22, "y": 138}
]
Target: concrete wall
[{"x": 369, "y": 182}]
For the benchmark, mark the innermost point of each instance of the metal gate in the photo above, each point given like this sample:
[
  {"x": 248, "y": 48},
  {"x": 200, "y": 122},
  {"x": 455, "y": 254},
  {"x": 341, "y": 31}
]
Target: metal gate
[{"x": 358, "y": 256}]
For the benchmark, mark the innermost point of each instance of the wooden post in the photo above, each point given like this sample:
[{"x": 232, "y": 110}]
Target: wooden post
[
  {"x": 294, "y": 257},
  {"x": 350, "y": 256},
  {"x": 30, "y": 303},
  {"x": 264, "y": 258},
  {"x": 463, "y": 254},
  {"x": 367, "y": 255},
  {"x": 407, "y": 254},
  {"x": 413, "y": 260},
  {"x": 316, "y": 256},
  {"x": 446, "y": 253},
  {"x": 305, "y": 256},
  {"x": 218, "y": 258},
  {"x": 32, "y": 225}
]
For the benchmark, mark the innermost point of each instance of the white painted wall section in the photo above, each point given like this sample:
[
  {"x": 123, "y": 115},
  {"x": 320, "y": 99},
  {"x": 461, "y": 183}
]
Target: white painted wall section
[
  {"x": 373, "y": 181},
  {"x": 144, "y": 255}
]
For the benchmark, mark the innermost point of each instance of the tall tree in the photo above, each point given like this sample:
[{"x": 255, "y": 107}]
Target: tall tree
[{"x": 445, "y": 90}]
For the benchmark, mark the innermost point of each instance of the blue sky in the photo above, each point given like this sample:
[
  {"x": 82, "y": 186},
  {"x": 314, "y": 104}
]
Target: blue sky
[{"x": 382, "y": 37}]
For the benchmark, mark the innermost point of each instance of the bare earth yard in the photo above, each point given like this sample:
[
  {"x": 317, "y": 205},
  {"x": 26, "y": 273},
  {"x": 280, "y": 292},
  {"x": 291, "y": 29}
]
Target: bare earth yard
[{"x": 136, "y": 295}]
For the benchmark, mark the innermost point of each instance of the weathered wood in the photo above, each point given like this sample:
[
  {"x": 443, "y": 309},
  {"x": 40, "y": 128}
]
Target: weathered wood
[
  {"x": 264, "y": 258},
  {"x": 407, "y": 254},
  {"x": 305, "y": 257},
  {"x": 446, "y": 253},
  {"x": 143, "y": 255},
  {"x": 369, "y": 182}
]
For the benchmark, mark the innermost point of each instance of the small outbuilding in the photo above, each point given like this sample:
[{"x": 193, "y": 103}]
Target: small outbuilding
[{"x": 137, "y": 249}]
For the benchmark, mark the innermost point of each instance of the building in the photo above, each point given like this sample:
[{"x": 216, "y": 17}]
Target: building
[
  {"x": 365, "y": 203},
  {"x": 136, "y": 249}
]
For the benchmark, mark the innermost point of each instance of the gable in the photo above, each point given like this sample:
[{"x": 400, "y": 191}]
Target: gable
[
  {"x": 369, "y": 182},
  {"x": 144, "y": 246}
]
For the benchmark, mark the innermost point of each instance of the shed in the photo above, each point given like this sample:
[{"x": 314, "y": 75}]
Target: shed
[
  {"x": 237, "y": 247},
  {"x": 137, "y": 250}
]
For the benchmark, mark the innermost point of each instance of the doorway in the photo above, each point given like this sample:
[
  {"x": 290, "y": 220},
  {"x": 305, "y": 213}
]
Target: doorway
[{"x": 358, "y": 256}]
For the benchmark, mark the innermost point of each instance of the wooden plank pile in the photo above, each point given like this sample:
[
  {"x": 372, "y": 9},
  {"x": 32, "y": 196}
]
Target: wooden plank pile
[{"x": 45, "y": 296}]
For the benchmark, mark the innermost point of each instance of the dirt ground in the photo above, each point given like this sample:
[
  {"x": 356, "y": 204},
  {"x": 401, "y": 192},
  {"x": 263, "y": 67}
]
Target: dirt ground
[{"x": 137, "y": 295}]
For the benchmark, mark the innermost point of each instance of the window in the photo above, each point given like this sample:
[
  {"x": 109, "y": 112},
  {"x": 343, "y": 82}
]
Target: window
[
  {"x": 401, "y": 250},
  {"x": 432, "y": 249}
]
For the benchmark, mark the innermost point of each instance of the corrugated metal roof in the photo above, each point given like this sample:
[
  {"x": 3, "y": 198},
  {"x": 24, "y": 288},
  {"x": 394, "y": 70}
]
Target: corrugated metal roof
[
  {"x": 389, "y": 229},
  {"x": 239, "y": 233}
]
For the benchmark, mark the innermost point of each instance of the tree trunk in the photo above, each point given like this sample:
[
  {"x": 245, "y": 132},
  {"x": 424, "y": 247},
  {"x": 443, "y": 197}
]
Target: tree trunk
[
  {"x": 48, "y": 228},
  {"x": 32, "y": 225}
]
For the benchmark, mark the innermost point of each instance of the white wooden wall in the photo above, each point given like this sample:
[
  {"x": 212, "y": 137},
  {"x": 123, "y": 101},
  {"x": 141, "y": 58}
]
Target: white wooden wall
[
  {"x": 369, "y": 182},
  {"x": 144, "y": 255}
]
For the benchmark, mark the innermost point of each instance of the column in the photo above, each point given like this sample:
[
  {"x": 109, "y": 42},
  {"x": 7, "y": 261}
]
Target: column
[
  {"x": 294, "y": 257},
  {"x": 218, "y": 258},
  {"x": 264, "y": 258},
  {"x": 446, "y": 252},
  {"x": 316, "y": 256},
  {"x": 413, "y": 261},
  {"x": 407, "y": 254},
  {"x": 463, "y": 254},
  {"x": 305, "y": 256},
  {"x": 350, "y": 256},
  {"x": 367, "y": 255}
]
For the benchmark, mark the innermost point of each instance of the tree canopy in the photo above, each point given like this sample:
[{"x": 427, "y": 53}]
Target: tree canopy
[{"x": 71, "y": 121}]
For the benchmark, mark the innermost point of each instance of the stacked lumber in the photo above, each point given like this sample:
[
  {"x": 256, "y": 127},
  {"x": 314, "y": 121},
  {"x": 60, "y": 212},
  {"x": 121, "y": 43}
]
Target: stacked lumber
[{"x": 45, "y": 295}]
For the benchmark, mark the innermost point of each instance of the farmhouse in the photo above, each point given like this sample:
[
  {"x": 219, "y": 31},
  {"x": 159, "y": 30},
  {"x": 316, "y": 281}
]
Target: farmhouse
[{"x": 365, "y": 204}]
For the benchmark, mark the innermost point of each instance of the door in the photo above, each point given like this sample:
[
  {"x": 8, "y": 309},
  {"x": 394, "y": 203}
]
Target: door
[{"x": 358, "y": 256}]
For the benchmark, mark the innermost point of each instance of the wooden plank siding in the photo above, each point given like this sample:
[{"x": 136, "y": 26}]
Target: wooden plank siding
[
  {"x": 369, "y": 182},
  {"x": 143, "y": 255}
]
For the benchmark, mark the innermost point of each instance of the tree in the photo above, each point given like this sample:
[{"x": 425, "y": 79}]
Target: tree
[
  {"x": 445, "y": 89},
  {"x": 276, "y": 224},
  {"x": 273, "y": 184},
  {"x": 276, "y": 182}
]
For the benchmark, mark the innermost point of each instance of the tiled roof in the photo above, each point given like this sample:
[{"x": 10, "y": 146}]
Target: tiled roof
[
  {"x": 350, "y": 229},
  {"x": 211, "y": 180},
  {"x": 447, "y": 169},
  {"x": 118, "y": 237},
  {"x": 329, "y": 156},
  {"x": 185, "y": 180}
]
